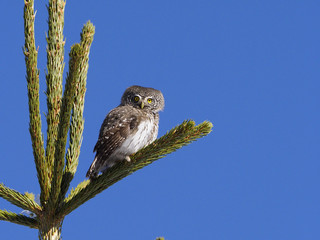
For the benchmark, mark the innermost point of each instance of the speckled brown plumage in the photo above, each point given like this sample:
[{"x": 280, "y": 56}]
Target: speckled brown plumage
[{"x": 127, "y": 128}]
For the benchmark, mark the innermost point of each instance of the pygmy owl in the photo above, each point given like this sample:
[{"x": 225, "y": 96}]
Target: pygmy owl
[{"x": 127, "y": 128}]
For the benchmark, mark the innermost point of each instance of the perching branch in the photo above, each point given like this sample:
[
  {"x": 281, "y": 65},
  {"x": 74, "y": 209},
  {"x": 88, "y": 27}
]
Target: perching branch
[
  {"x": 178, "y": 137},
  {"x": 31, "y": 55}
]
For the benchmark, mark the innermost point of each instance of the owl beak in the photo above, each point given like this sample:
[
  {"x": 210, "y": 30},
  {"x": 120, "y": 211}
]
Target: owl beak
[{"x": 142, "y": 105}]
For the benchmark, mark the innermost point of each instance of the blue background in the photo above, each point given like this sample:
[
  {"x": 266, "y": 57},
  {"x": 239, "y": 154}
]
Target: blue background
[{"x": 250, "y": 67}]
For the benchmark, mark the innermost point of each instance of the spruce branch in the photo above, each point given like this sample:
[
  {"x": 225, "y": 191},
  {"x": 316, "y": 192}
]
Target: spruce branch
[
  {"x": 55, "y": 66},
  {"x": 18, "y": 219},
  {"x": 18, "y": 199},
  {"x": 77, "y": 121},
  {"x": 176, "y": 138},
  {"x": 31, "y": 54},
  {"x": 66, "y": 107}
]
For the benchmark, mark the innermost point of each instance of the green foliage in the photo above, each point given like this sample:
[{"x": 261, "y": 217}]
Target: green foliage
[
  {"x": 21, "y": 200},
  {"x": 18, "y": 219},
  {"x": 178, "y": 137},
  {"x": 31, "y": 54},
  {"x": 55, "y": 67},
  {"x": 57, "y": 163}
]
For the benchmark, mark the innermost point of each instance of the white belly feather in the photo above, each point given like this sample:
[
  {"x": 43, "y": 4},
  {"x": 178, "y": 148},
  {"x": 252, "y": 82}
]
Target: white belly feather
[{"x": 143, "y": 136}]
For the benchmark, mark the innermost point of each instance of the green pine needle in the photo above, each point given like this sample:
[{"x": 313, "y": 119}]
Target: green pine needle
[
  {"x": 178, "y": 137},
  {"x": 55, "y": 67},
  {"x": 66, "y": 107},
  {"x": 77, "y": 121},
  {"x": 31, "y": 55},
  {"x": 21, "y": 200},
  {"x": 18, "y": 219}
]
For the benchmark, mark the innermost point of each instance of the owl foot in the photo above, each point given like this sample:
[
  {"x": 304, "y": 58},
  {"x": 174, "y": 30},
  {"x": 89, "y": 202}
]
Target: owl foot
[{"x": 127, "y": 158}]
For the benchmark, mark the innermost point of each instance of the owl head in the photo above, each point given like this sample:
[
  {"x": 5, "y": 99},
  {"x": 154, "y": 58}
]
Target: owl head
[{"x": 147, "y": 99}]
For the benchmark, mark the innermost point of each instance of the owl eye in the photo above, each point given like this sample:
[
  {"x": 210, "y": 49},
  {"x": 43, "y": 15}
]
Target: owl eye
[
  {"x": 136, "y": 98},
  {"x": 149, "y": 100}
]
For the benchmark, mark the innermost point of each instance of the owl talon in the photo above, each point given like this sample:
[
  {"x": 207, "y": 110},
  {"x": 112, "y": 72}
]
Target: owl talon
[{"x": 128, "y": 159}]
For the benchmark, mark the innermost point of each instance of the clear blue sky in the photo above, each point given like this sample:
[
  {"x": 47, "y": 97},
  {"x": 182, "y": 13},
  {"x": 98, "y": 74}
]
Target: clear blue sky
[{"x": 250, "y": 67}]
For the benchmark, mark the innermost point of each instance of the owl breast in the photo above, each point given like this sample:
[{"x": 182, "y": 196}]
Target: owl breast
[{"x": 146, "y": 133}]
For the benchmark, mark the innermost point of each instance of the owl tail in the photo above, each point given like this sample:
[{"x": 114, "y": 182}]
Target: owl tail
[
  {"x": 93, "y": 170},
  {"x": 91, "y": 174},
  {"x": 98, "y": 165}
]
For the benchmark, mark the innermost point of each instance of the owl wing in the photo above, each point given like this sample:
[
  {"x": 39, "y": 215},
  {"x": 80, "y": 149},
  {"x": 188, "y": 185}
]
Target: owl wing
[{"x": 116, "y": 127}]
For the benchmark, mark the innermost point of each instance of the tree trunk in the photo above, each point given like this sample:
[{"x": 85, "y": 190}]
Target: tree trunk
[{"x": 49, "y": 231}]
